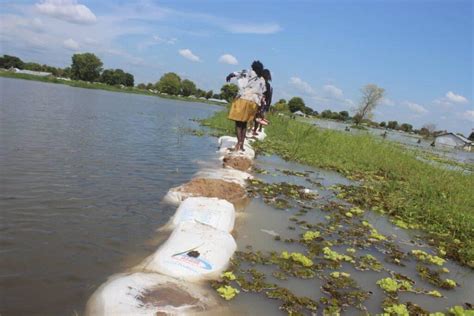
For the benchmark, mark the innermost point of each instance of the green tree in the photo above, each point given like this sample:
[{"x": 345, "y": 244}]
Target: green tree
[
  {"x": 382, "y": 124},
  {"x": 129, "y": 80},
  {"x": 229, "y": 91},
  {"x": 209, "y": 94},
  {"x": 86, "y": 67},
  {"x": 169, "y": 83},
  {"x": 141, "y": 86},
  {"x": 150, "y": 86},
  {"x": 371, "y": 96},
  {"x": 344, "y": 115},
  {"x": 296, "y": 104},
  {"x": 392, "y": 124},
  {"x": 281, "y": 106},
  {"x": 406, "y": 127},
  {"x": 8, "y": 61},
  {"x": 188, "y": 87},
  {"x": 33, "y": 66},
  {"x": 200, "y": 93},
  {"x": 326, "y": 114}
]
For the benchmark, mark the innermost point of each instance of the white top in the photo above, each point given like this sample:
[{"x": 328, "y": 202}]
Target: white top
[{"x": 251, "y": 87}]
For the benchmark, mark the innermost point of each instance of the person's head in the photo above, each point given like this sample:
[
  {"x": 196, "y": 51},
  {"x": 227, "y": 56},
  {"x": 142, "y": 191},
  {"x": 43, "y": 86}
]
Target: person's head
[
  {"x": 257, "y": 66},
  {"x": 267, "y": 75}
]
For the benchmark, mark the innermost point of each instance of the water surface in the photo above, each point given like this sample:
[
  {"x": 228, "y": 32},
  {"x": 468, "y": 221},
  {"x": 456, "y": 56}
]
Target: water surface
[{"x": 82, "y": 176}]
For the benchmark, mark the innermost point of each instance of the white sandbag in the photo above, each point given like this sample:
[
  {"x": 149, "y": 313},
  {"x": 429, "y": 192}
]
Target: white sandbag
[
  {"x": 214, "y": 212},
  {"x": 226, "y": 174},
  {"x": 226, "y": 142},
  {"x": 148, "y": 294},
  {"x": 193, "y": 252}
]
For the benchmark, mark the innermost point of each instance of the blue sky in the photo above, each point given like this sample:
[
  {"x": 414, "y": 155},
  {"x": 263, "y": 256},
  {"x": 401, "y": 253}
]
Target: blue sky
[{"x": 324, "y": 51}]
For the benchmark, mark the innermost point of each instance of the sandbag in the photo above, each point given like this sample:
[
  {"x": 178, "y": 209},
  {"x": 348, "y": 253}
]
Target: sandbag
[
  {"x": 205, "y": 187},
  {"x": 226, "y": 142},
  {"x": 235, "y": 162},
  {"x": 226, "y": 174},
  {"x": 193, "y": 252},
  {"x": 148, "y": 294},
  {"x": 214, "y": 212}
]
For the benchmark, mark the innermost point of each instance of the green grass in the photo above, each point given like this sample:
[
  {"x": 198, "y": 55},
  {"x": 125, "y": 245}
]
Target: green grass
[
  {"x": 99, "y": 86},
  {"x": 438, "y": 201}
]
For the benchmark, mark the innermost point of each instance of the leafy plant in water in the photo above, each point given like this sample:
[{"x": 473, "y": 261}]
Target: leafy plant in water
[
  {"x": 310, "y": 235},
  {"x": 397, "y": 309},
  {"x": 227, "y": 292},
  {"x": 334, "y": 256},
  {"x": 229, "y": 275},
  {"x": 297, "y": 257},
  {"x": 423, "y": 256},
  {"x": 392, "y": 285}
]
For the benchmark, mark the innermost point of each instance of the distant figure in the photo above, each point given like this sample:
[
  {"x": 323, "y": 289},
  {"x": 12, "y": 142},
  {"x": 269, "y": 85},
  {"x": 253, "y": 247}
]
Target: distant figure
[
  {"x": 432, "y": 144},
  {"x": 347, "y": 129},
  {"x": 384, "y": 135},
  {"x": 419, "y": 141},
  {"x": 260, "y": 119},
  {"x": 244, "y": 107}
]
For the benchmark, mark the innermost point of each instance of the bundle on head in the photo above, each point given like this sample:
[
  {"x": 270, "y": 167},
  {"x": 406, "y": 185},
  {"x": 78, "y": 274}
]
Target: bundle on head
[{"x": 257, "y": 66}]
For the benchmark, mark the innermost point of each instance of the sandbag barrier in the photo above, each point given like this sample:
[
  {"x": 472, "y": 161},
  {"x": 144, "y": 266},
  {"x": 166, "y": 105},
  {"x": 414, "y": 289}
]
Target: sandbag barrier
[{"x": 200, "y": 246}]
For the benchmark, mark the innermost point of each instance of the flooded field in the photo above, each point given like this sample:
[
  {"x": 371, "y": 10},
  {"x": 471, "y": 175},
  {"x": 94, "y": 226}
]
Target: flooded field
[
  {"x": 296, "y": 211},
  {"x": 412, "y": 141}
]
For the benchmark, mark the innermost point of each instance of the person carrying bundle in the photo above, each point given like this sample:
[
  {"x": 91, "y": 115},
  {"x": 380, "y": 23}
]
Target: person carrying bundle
[{"x": 244, "y": 108}]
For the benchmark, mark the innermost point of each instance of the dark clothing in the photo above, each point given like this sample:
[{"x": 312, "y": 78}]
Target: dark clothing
[{"x": 267, "y": 97}]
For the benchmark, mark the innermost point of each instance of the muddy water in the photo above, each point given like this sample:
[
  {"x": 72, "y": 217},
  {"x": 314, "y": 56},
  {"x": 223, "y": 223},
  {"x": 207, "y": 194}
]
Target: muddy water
[
  {"x": 260, "y": 222},
  {"x": 82, "y": 174}
]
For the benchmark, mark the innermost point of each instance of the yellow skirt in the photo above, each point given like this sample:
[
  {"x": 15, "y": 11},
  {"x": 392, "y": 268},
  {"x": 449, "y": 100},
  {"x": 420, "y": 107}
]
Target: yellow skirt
[{"x": 242, "y": 110}]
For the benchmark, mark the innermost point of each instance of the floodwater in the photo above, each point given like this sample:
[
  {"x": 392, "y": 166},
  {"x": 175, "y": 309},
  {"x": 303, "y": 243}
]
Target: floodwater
[
  {"x": 82, "y": 174},
  {"x": 260, "y": 223},
  {"x": 410, "y": 140}
]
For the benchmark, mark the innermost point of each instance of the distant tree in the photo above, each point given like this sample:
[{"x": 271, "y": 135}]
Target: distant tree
[
  {"x": 129, "y": 80},
  {"x": 281, "y": 106},
  {"x": 344, "y": 115},
  {"x": 141, "y": 86},
  {"x": 371, "y": 96},
  {"x": 326, "y": 114},
  {"x": 229, "y": 91},
  {"x": 112, "y": 76},
  {"x": 67, "y": 72},
  {"x": 150, "y": 86},
  {"x": 382, "y": 124},
  {"x": 86, "y": 67},
  {"x": 392, "y": 124},
  {"x": 217, "y": 96},
  {"x": 296, "y": 104},
  {"x": 169, "y": 83},
  {"x": 33, "y": 66},
  {"x": 8, "y": 61},
  {"x": 428, "y": 129},
  {"x": 471, "y": 137},
  {"x": 209, "y": 94},
  {"x": 187, "y": 87},
  {"x": 336, "y": 116},
  {"x": 200, "y": 93},
  {"x": 406, "y": 127}
]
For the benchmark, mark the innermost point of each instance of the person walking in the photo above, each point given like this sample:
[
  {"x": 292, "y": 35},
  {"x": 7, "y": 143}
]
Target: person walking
[
  {"x": 243, "y": 109},
  {"x": 260, "y": 119}
]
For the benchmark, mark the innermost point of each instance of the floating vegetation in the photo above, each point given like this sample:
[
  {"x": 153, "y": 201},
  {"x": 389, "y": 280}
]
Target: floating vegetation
[
  {"x": 297, "y": 257},
  {"x": 311, "y": 235},
  {"x": 425, "y": 257},
  {"x": 227, "y": 292},
  {"x": 334, "y": 256},
  {"x": 392, "y": 285},
  {"x": 396, "y": 309},
  {"x": 368, "y": 262}
]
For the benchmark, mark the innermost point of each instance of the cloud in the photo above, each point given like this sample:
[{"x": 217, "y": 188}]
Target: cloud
[
  {"x": 67, "y": 10},
  {"x": 333, "y": 91},
  {"x": 455, "y": 98},
  {"x": 302, "y": 85},
  {"x": 188, "y": 54},
  {"x": 416, "y": 108},
  {"x": 387, "y": 101},
  {"x": 228, "y": 59},
  {"x": 468, "y": 115},
  {"x": 161, "y": 40},
  {"x": 252, "y": 28},
  {"x": 71, "y": 44}
]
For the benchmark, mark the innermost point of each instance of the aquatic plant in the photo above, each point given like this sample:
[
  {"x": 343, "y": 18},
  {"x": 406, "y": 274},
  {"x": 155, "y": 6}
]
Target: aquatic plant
[
  {"x": 297, "y": 257},
  {"x": 423, "y": 256},
  {"x": 460, "y": 311},
  {"x": 334, "y": 256},
  {"x": 227, "y": 292},
  {"x": 397, "y": 309},
  {"x": 229, "y": 275},
  {"x": 449, "y": 284},
  {"x": 435, "y": 293},
  {"x": 393, "y": 285},
  {"x": 311, "y": 235}
]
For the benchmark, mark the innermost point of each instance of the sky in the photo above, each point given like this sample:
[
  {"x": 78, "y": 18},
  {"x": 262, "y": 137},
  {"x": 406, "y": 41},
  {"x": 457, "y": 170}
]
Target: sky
[{"x": 419, "y": 51}]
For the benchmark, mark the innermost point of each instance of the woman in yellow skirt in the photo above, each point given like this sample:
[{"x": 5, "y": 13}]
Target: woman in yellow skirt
[{"x": 244, "y": 107}]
